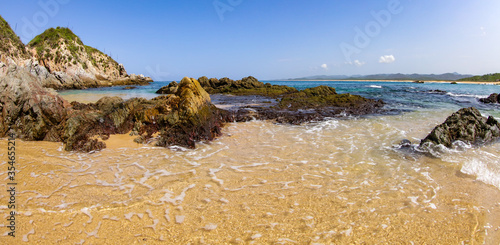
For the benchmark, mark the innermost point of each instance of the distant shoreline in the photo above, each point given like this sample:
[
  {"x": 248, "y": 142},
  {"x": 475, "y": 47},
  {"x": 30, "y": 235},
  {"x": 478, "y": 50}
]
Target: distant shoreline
[{"x": 403, "y": 81}]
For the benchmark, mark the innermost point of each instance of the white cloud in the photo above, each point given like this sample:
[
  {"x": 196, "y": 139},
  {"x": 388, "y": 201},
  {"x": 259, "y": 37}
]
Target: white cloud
[
  {"x": 324, "y": 66},
  {"x": 387, "y": 59},
  {"x": 356, "y": 63},
  {"x": 359, "y": 63}
]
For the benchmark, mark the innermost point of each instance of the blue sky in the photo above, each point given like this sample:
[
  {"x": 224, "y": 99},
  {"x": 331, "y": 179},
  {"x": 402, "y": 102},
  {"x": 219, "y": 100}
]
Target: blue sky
[{"x": 276, "y": 39}]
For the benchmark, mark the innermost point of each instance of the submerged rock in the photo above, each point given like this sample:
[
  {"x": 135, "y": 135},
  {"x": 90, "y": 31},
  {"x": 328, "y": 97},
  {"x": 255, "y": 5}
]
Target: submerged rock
[
  {"x": 467, "y": 125},
  {"x": 493, "y": 98}
]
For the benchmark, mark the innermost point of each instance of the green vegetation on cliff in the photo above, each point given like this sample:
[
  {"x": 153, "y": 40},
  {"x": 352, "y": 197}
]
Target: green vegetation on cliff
[
  {"x": 493, "y": 77},
  {"x": 10, "y": 43},
  {"x": 54, "y": 44}
]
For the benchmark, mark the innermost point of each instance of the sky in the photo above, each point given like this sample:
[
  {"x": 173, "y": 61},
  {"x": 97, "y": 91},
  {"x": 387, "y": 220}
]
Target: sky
[{"x": 275, "y": 39}]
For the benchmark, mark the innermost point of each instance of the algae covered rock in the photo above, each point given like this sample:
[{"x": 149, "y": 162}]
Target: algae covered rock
[
  {"x": 246, "y": 86},
  {"x": 467, "y": 125},
  {"x": 324, "y": 96}
]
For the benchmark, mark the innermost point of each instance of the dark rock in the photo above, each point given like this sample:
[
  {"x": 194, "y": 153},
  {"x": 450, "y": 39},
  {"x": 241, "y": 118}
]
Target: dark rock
[
  {"x": 171, "y": 88},
  {"x": 405, "y": 143},
  {"x": 493, "y": 98},
  {"x": 418, "y": 82},
  {"x": 246, "y": 86},
  {"x": 129, "y": 87},
  {"x": 467, "y": 125},
  {"x": 437, "y": 91}
]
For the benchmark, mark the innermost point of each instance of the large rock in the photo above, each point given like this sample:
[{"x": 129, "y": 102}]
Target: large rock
[
  {"x": 27, "y": 109},
  {"x": 467, "y": 125},
  {"x": 493, "y": 98},
  {"x": 171, "y": 88}
]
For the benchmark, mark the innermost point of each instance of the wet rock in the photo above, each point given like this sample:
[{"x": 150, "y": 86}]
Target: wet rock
[
  {"x": 129, "y": 87},
  {"x": 324, "y": 97},
  {"x": 171, "y": 88},
  {"x": 246, "y": 86},
  {"x": 196, "y": 119},
  {"x": 437, "y": 91},
  {"x": 467, "y": 125},
  {"x": 493, "y": 98},
  {"x": 405, "y": 143}
]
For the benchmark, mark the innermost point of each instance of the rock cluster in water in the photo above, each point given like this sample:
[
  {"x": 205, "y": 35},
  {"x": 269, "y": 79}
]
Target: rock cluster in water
[
  {"x": 467, "y": 125},
  {"x": 246, "y": 86},
  {"x": 294, "y": 106}
]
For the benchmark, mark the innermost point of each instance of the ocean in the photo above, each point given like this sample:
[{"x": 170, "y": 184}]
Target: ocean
[{"x": 340, "y": 181}]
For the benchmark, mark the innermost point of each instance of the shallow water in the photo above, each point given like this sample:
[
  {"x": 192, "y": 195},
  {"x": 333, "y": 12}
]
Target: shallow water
[{"x": 337, "y": 181}]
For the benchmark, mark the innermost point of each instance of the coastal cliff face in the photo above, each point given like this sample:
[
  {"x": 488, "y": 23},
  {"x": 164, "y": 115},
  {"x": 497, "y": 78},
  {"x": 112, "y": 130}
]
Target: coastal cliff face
[
  {"x": 60, "y": 60},
  {"x": 77, "y": 65},
  {"x": 12, "y": 50}
]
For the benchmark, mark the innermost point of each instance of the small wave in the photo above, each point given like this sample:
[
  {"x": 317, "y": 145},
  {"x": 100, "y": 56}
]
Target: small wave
[
  {"x": 374, "y": 86},
  {"x": 486, "y": 172},
  {"x": 466, "y": 95}
]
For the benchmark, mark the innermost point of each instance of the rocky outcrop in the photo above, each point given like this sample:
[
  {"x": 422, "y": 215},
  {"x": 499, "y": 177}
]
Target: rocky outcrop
[
  {"x": 76, "y": 65},
  {"x": 493, "y": 98},
  {"x": 32, "y": 112},
  {"x": 245, "y": 86},
  {"x": 467, "y": 125},
  {"x": 60, "y": 60},
  {"x": 171, "y": 88},
  {"x": 27, "y": 109},
  {"x": 313, "y": 104}
]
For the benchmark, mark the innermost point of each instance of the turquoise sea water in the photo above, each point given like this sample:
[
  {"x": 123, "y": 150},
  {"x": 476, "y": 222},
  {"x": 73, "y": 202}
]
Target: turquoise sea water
[{"x": 400, "y": 96}]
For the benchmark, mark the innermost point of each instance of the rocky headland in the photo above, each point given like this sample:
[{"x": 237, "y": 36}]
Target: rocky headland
[{"x": 60, "y": 60}]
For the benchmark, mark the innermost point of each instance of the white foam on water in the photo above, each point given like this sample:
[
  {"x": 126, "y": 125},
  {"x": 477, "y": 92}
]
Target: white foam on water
[
  {"x": 210, "y": 227},
  {"x": 25, "y": 237},
  {"x": 95, "y": 231},
  {"x": 87, "y": 212},
  {"x": 374, "y": 86},
  {"x": 177, "y": 200},
  {"x": 179, "y": 219},
  {"x": 485, "y": 170}
]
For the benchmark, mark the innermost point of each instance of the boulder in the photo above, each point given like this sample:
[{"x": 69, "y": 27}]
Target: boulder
[
  {"x": 27, "y": 109},
  {"x": 493, "y": 98},
  {"x": 171, "y": 88},
  {"x": 467, "y": 125}
]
